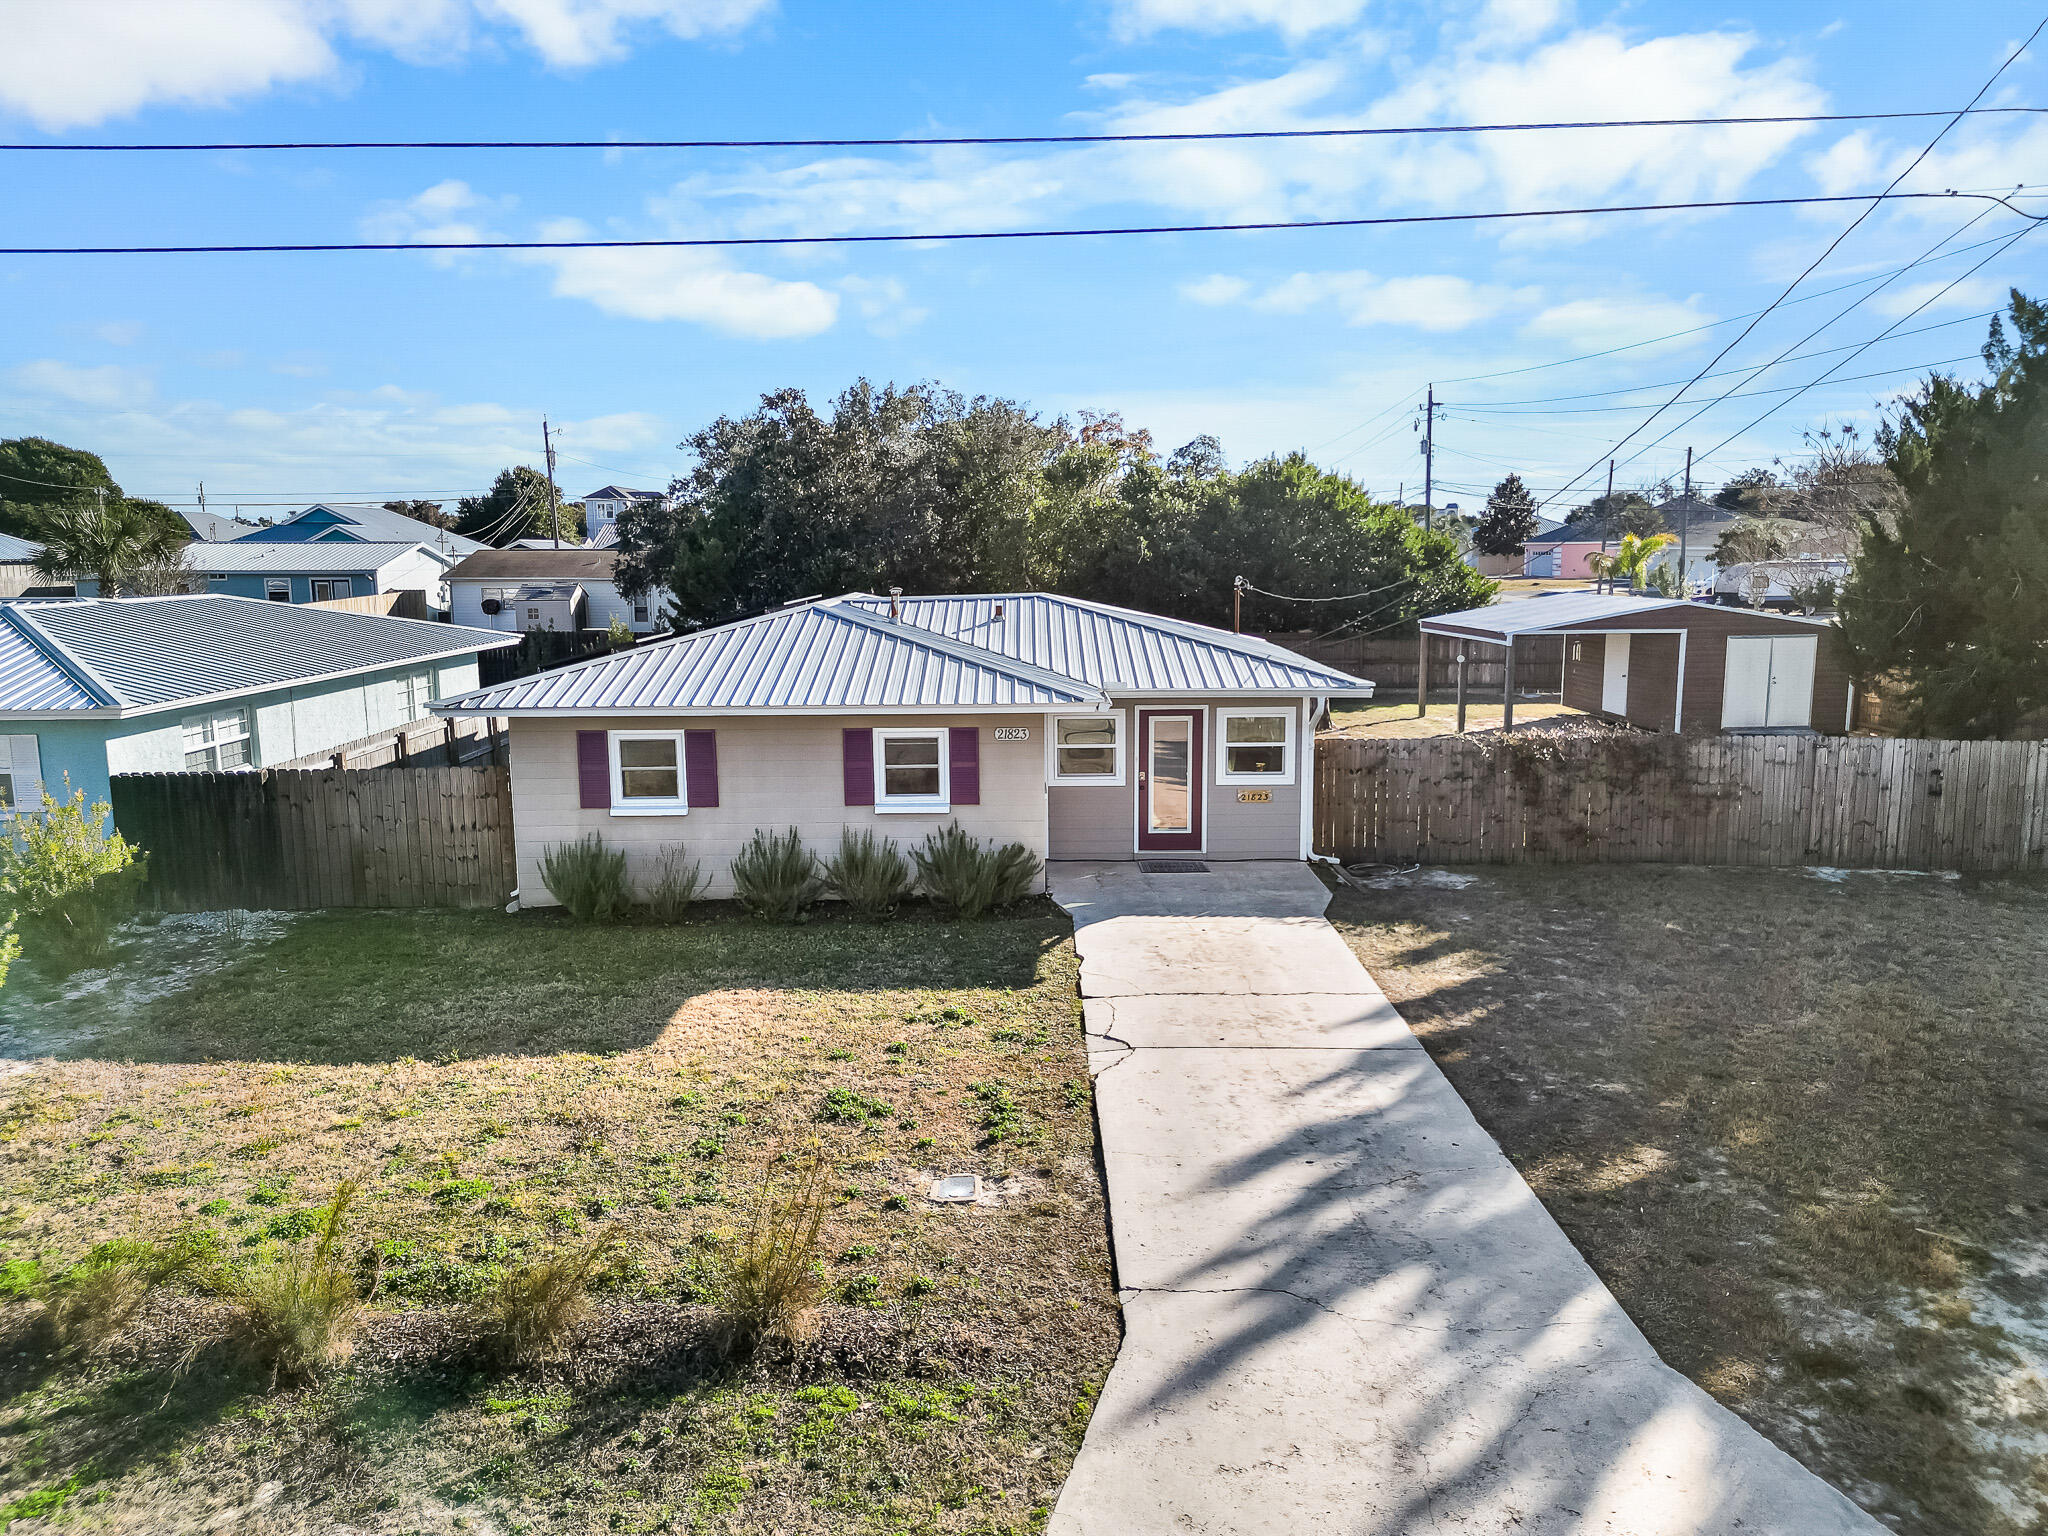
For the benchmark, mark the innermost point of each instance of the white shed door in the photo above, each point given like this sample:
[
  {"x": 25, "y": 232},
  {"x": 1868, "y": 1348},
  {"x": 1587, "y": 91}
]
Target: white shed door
[
  {"x": 1746, "y": 686},
  {"x": 1791, "y": 701},
  {"x": 1614, "y": 678}
]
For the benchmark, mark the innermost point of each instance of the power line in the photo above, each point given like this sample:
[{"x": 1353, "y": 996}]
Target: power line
[
  {"x": 1748, "y": 394},
  {"x": 1854, "y": 224},
  {"x": 1022, "y": 139},
  {"x": 722, "y": 241}
]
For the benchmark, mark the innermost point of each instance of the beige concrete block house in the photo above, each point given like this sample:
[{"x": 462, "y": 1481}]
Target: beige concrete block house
[{"x": 1081, "y": 730}]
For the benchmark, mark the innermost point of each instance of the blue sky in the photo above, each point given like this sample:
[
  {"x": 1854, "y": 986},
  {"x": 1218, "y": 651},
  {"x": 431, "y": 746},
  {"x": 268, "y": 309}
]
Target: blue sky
[{"x": 286, "y": 378}]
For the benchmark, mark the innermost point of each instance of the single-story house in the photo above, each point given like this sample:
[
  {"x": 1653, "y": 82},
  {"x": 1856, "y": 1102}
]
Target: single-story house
[
  {"x": 603, "y": 508},
  {"x": 1081, "y": 730},
  {"x": 498, "y": 577},
  {"x": 312, "y": 572},
  {"x": 1665, "y": 664},
  {"x": 322, "y": 524},
  {"x": 18, "y": 565},
  {"x": 96, "y": 686}
]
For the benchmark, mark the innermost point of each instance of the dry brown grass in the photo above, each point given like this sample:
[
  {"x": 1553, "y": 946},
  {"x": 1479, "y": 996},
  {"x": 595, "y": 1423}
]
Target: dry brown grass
[{"x": 1794, "y": 1124}]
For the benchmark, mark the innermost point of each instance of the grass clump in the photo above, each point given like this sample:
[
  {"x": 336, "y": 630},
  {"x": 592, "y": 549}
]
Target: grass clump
[
  {"x": 776, "y": 877},
  {"x": 678, "y": 881},
  {"x": 301, "y": 1310},
  {"x": 869, "y": 873},
  {"x": 587, "y": 878},
  {"x": 773, "y": 1282},
  {"x": 958, "y": 872},
  {"x": 100, "y": 1295},
  {"x": 531, "y": 1312},
  {"x": 847, "y": 1106}
]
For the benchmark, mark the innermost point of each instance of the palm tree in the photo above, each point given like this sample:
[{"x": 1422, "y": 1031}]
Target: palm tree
[
  {"x": 1631, "y": 560},
  {"x": 108, "y": 540}
]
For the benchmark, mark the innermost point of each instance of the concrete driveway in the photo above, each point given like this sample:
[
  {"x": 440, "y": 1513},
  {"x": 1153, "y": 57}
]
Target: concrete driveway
[{"x": 1344, "y": 1310}]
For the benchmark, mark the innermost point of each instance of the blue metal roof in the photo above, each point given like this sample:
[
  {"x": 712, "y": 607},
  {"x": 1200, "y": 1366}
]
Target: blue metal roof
[
  {"x": 138, "y": 653},
  {"x": 845, "y": 654},
  {"x": 368, "y": 524}
]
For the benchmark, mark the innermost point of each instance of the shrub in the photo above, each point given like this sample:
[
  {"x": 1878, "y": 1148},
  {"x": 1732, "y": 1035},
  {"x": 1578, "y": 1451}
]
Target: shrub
[
  {"x": 302, "y": 1310},
  {"x": 587, "y": 878},
  {"x": 776, "y": 877},
  {"x": 532, "y": 1310},
  {"x": 958, "y": 873},
  {"x": 869, "y": 873},
  {"x": 619, "y": 634},
  {"x": 100, "y": 1295},
  {"x": 68, "y": 882},
  {"x": 772, "y": 1282},
  {"x": 676, "y": 884}
]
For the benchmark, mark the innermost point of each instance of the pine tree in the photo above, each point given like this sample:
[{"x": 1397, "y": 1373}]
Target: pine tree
[{"x": 1510, "y": 520}]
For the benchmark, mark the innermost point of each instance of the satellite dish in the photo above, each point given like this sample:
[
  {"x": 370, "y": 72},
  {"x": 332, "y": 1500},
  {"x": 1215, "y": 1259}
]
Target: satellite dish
[{"x": 492, "y": 605}]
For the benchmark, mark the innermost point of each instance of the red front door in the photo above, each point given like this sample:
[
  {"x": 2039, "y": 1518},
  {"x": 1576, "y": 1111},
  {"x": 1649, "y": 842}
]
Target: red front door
[{"x": 1169, "y": 781}]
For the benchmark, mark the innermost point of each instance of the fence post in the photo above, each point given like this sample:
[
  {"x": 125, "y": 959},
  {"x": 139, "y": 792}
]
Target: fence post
[{"x": 1421, "y": 675}]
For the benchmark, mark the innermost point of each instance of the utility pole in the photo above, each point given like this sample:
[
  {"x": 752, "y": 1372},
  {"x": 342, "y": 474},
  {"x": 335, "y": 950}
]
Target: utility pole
[
  {"x": 1237, "y": 605},
  {"x": 202, "y": 503},
  {"x": 1606, "y": 511},
  {"x": 554, "y": 512},
  {"x": 1428, "y": 460},
  {"x": 1684, "y": 523}
]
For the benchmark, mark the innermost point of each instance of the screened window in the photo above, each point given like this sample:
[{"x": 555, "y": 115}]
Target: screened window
[
  {"x": 6, "y": 791},
  {"x": 278, "y": 588},
  {"x": 910, "y": 771},
  {"x": 1088, "y": 749},
  {"x": 218, "y": 741},
  {"x": 647, "y": 772},
  {"x": 415, "y": 692},
  {"x": 1255, "y": 745},
  {"x": 640, "y": 612}
]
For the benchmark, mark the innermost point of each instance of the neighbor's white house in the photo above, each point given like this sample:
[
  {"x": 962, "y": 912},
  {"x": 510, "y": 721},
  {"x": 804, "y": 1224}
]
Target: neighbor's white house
[
  {"x": 91, "y": 687},
  {"x": 1081, "y": 730},
  {"x": 576, "y": 588},
  {"x": 603, "y": 508}
]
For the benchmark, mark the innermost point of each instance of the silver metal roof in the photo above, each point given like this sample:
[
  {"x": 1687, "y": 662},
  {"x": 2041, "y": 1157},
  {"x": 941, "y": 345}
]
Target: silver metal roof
[
  {"x": 819, "y": 656},
  {"x": 371, "y": 524},
  {"x": 1560, "y": 611},
  {"x": 846, "y": 653},
  {"x": 1118, "y": 649},
  {"x": 241, "y": 558},
  {"x": 15, "y": 551},
  {"x": 145, "y": 652}
]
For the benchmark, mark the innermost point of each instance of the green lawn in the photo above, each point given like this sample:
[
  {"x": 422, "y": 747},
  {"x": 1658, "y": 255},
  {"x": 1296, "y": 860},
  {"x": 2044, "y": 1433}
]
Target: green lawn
[{"x": 504, "y": 1086}]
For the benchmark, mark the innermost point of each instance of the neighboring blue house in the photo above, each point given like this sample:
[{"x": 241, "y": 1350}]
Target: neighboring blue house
[
  {"x": 312, "y": 573},
  {"x": 322, "y": 524},
  {"x": 96, "y": 686}
]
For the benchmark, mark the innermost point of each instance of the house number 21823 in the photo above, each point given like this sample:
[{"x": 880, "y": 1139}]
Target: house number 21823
[{"x": 1013, "y": 733}]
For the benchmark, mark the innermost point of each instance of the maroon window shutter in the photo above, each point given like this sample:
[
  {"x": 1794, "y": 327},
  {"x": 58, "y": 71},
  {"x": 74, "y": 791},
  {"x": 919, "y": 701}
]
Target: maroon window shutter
[
  {"x": 858, "y": 749},
  {"x": 593, "y": 771},
  {"x": 700, "y": 758},
  {"x": 963, "y": 744}
]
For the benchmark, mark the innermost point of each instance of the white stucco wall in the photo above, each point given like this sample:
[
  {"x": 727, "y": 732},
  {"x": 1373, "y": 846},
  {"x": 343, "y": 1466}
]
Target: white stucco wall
[{"x": 773, "y": 773}]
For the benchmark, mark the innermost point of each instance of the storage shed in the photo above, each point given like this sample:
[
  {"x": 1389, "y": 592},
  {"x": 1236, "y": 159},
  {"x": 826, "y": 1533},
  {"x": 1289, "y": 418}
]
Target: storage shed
[{"x": 1664, "y": 664}]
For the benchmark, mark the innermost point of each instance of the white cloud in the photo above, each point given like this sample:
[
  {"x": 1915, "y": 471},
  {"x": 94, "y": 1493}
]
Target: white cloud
[
  {"x": 119, "y": 333},
  {"x": 884, "y": 303},
  {"x": 66, "y": 65},
  {"x": 1976, "y": 294},
  {"x": 1292, "y": 18},
  {"x": 110, "y": 387},
  {"x": 1515, "y": 21},
  {"x": 684, "y": 284},
  {"x": 1594, "y": 323},
  {"x": 1217, "y": 288},
  {"x": 1434, "y": 302}
]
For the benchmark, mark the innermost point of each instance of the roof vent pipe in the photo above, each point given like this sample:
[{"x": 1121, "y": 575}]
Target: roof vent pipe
[{"x": 894, "y": 611}]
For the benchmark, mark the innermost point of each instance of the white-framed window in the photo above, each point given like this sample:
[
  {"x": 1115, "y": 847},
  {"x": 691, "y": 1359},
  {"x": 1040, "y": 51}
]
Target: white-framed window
[
  {"x": 911, "y": 771},
  {"x": 647, "y": 774},
  {"x": 1085, "y": 749},
  {"x": 327, "y": 588},
  {"x": 278, "y": 589},
  {"x": 1254, "y": 746},
  {"x": 415, "y": 692},
  {"x": 218, "y": 740},
  {"x": 640, "y": 612}
]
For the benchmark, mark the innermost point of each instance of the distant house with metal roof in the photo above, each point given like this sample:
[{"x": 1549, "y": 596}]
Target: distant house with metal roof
[
  {"x": 214, "y": 527},
  {"x": 18, "y": 565},
  {"x": 522, "y": 588},
  {"x": 96, "y": 686},
  {"x": 312, "y": 572},
  {"x": 322, "y": 523},
  {"x": 1081, "y": 730},
  {"x": 603, "y": 508}
]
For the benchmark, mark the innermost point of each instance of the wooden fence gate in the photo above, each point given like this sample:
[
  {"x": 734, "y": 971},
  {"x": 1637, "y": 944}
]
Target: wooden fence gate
[
  {"x": 292, "y": 839},
  {"x": 1852, "y": 802}
]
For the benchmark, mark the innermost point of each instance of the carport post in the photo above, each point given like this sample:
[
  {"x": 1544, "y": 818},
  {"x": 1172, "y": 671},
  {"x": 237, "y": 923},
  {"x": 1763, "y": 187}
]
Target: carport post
[
  {"x": 1507, "y": 687},
  {"x": 1422, "y": 675},
  {"x": 1461, "y": 689}
]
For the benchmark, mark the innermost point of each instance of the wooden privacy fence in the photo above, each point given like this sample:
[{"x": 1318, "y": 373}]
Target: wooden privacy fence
[
  {"x": 1776, "y": 800},
  {"x": 1389, "y": 661},
  {"x": 292, "y": 839}
]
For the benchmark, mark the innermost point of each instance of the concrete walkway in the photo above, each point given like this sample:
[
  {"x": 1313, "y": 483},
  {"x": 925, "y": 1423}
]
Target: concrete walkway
[{"x": 1344, "y": 1310}]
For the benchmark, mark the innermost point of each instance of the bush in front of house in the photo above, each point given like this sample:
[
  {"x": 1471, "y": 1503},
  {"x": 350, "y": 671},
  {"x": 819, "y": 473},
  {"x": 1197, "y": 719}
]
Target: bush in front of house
[
  {"x": 68, "y": 883},
  {"x": 958, "y": 872},
  {"x": 776, "y": 876},
  {"x": 678, "y": 881},
  {"x": 587, "y": 878},
  {"x": 869, "y": 873}
]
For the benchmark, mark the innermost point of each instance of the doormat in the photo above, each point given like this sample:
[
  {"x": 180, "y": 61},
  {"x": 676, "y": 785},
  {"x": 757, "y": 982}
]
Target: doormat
[{"x": 1172, "y": 867}]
